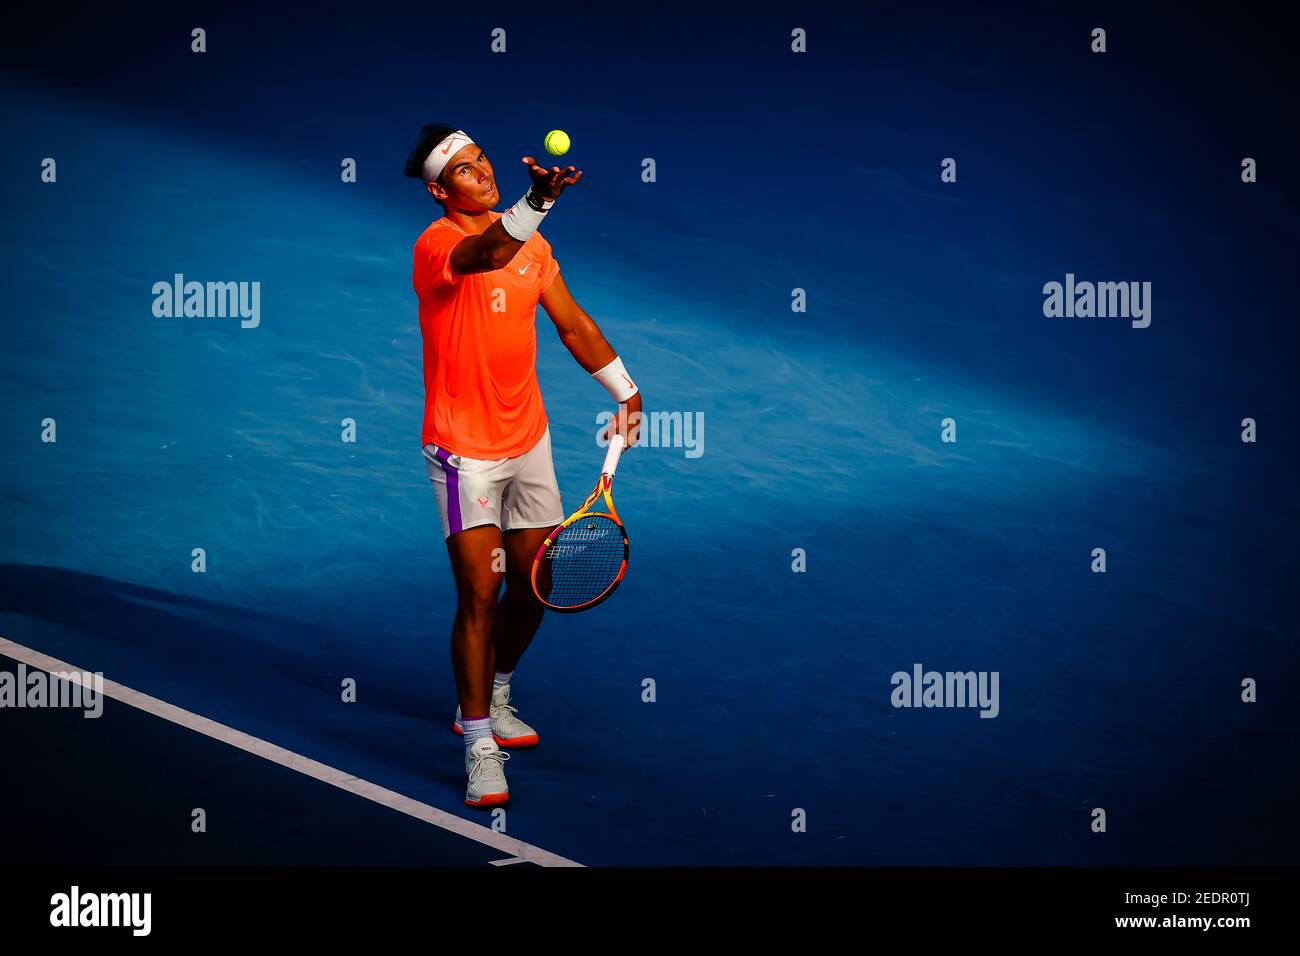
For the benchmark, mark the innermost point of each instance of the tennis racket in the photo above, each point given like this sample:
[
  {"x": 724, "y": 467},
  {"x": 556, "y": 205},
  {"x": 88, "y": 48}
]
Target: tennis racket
[{"x": 583, "y": 560}]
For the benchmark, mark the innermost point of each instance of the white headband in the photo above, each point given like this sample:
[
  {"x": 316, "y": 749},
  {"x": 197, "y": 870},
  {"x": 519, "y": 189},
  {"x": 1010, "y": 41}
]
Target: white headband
[{"x": 441, "y": 154}]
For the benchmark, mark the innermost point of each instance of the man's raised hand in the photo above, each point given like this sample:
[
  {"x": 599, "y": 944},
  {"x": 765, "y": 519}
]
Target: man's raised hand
[{"x": 548, "y": 184}]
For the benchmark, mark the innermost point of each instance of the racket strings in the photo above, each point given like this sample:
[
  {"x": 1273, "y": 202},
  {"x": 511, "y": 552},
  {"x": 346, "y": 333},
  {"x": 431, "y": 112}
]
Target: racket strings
[{"x": 582, "y": 563}]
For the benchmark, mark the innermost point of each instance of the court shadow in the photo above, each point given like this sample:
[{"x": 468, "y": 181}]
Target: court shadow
[{"x": 226, "y": 662}]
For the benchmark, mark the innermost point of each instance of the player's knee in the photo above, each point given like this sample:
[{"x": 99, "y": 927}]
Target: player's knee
[
  {"x": 519, "y": 594},
  {"x": 478, "y": 597}
]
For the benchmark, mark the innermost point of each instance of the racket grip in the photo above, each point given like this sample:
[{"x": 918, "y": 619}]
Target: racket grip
[{"x": 616, "y": 443}]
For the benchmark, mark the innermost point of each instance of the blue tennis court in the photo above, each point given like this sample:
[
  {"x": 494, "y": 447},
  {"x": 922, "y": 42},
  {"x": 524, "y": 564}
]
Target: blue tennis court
[{"x": 800, "y": 529}]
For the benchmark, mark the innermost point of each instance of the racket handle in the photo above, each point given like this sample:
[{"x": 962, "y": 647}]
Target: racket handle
[{"x": 616, "y": 444}]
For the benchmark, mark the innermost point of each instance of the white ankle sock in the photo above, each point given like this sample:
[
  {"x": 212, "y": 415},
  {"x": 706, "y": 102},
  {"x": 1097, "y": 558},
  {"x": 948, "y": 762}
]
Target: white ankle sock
[
  {"x": 501, "y": 680},
  {"x": 476, "y": 728}
]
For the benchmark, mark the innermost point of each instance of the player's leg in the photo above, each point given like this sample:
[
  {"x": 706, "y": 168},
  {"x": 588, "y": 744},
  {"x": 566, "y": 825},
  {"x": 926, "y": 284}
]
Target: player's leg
[
  {"x": 469, "y": 508},
  {"x": 468, "y": 492},
  {"x": 474, "y": 560}
]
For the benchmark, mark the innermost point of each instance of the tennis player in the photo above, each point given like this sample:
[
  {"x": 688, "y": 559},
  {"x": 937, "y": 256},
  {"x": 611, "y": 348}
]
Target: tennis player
[{"x": 479, "y": 275}]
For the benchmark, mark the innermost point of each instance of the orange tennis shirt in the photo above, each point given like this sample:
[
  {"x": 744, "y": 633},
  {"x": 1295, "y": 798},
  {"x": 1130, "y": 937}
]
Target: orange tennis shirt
[{"x": 481, "y": 397}]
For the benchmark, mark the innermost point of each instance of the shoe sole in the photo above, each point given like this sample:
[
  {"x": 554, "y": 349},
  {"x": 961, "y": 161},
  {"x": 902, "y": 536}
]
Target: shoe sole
[
  {"x": 514, "y": 743},
  {"x": 489, "y": 800}
]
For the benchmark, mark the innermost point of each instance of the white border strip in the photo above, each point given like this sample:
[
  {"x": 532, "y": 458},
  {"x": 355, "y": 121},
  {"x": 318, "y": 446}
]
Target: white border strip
[{"x": 517, "y": 849}]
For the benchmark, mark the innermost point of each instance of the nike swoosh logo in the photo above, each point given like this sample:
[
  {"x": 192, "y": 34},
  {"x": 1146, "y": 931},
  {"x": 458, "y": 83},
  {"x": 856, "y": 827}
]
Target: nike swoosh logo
[
  {"x": 446, "y": 149},
  {"x": 525, "y": 268},
  {"x": 482, "y": 502}
]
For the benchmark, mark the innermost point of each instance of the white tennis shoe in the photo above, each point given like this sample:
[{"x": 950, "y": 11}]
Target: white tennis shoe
[
  {"x": 507, "y": 729},
  {"x": 485, "y": 764}
]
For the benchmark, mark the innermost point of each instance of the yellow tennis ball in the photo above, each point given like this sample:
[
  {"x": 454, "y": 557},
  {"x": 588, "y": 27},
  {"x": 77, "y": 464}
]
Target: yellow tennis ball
[{"x": 557, "y": 142}]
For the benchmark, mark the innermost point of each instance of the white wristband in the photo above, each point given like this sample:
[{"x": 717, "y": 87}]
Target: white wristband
[
  {"x": 616, "y": 381},
  {"x": 521, "y": 220}
]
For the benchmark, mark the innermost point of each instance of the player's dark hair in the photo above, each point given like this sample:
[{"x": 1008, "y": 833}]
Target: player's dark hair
[{"x": 430, "y": 136}]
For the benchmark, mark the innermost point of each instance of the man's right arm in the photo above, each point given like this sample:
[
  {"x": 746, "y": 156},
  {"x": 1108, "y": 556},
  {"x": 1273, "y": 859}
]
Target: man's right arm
[
  {"x": 496, "y": 246},
  {"x": 485, "y": 253}
]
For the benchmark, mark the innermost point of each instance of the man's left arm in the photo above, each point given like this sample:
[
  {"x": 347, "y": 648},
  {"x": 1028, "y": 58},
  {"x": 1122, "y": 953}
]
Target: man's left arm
[{"x": 589, "y": 348}]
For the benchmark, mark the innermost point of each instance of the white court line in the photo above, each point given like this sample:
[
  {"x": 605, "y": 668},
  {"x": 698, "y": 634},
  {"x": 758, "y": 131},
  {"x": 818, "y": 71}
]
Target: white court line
[{"x": 304, "y": 765}]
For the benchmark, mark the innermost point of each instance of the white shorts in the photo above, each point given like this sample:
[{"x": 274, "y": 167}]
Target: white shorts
[{"x": 511, "y": 493}]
